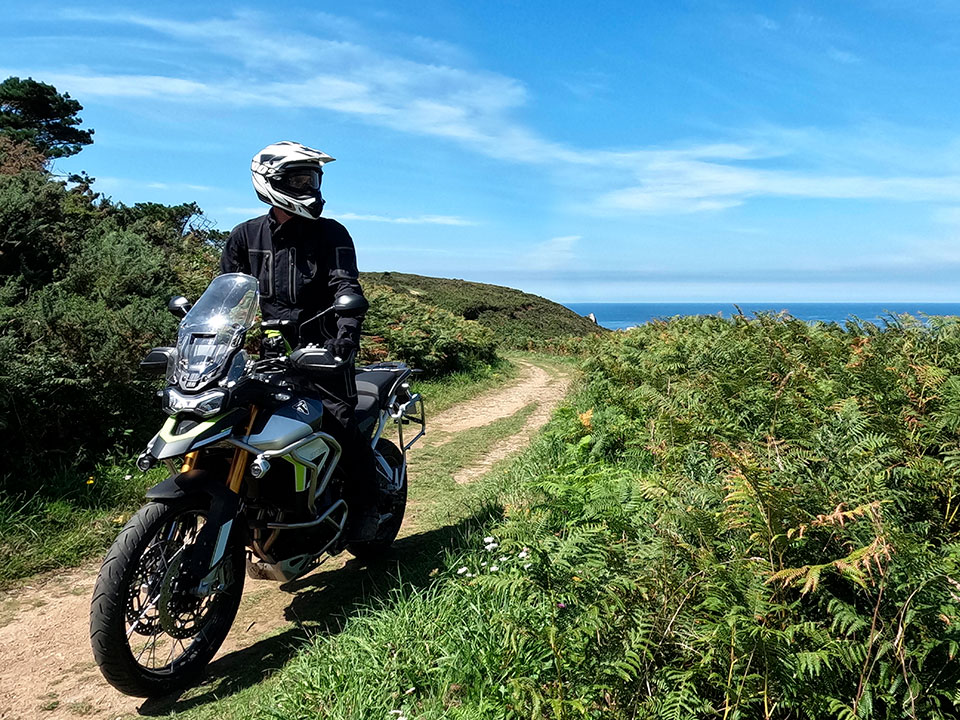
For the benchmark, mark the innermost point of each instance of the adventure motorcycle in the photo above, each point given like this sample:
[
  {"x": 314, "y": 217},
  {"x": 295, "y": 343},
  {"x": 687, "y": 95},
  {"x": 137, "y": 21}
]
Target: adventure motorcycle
[{"x": 255, "y": 486}]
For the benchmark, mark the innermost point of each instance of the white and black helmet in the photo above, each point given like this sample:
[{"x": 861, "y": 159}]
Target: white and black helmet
[{"x": 287, "y": 175}]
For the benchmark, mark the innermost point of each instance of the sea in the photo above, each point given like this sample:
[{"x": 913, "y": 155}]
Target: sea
[{"x": 619, "y": 316}]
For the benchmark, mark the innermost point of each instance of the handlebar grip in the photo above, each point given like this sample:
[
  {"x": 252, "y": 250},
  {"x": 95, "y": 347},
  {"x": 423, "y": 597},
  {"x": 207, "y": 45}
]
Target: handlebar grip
[{"x": 317, "y": 358}]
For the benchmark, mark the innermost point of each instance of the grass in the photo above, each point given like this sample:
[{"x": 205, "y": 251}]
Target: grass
[
  {"x": 77, "y": 516},
  {"x": 515, "y": 317},
  {"x": 455, "y": 388}
]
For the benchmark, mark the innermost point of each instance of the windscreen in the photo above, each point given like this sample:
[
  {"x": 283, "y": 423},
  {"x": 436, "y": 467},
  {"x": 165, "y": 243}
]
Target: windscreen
[{"x": 214, "y": 329}]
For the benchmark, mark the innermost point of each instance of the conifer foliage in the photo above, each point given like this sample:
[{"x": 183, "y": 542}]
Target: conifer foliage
[{"x": 34, "y": 112}]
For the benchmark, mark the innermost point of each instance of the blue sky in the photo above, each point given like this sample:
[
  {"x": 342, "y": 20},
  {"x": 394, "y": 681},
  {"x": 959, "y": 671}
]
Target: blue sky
[{"x": 615, "y": 151}]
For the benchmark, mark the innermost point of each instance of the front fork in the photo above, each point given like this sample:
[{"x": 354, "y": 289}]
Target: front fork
[{"x": 224, "y": 503}]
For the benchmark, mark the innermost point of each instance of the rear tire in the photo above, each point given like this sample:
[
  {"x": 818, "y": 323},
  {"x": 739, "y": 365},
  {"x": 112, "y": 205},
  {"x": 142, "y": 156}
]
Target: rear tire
[
  {"x": 394, "y": 503},
  {"x": 141, "y": 556}
]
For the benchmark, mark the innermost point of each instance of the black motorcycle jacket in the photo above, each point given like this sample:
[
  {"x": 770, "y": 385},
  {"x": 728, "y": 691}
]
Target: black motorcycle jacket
[{"x": 303, "y": 266}]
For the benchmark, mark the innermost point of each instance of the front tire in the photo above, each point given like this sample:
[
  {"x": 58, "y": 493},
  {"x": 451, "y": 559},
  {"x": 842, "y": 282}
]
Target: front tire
[
  {"x": 149, "y": 635},
  {"x": 394, "y": 503}
]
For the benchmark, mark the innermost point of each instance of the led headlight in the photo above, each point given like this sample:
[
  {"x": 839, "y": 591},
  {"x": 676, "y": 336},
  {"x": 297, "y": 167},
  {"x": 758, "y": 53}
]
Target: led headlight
[{"x": 208, "y": 403}]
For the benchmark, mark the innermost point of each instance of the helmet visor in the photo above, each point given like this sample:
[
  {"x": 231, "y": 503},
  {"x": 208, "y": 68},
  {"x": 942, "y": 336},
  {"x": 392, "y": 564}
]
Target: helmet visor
[{"x": 299, "y": 182}]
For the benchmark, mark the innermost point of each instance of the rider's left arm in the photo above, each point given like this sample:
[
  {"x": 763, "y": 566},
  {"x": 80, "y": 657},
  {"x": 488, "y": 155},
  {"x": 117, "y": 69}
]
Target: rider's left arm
[{"x": 343, "y": 278}]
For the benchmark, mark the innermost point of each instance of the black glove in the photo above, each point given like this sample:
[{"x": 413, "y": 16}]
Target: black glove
[{"x": 340, "y": 348}]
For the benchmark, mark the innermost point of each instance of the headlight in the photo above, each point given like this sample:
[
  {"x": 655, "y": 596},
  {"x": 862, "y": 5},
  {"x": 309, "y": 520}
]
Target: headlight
[{"x": 208, "y": 403}]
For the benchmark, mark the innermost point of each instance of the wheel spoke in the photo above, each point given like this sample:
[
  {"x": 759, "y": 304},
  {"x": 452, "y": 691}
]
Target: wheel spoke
[{"x": 153, "y": 604}]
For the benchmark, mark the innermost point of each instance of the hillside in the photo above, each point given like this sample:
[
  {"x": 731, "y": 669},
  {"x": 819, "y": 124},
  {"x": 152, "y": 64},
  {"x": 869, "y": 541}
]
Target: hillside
[{"x": 515, "y": 317}]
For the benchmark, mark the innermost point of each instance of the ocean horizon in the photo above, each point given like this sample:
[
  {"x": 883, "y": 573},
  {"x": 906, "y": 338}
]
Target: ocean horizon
[{"x": 619, "y": 316}]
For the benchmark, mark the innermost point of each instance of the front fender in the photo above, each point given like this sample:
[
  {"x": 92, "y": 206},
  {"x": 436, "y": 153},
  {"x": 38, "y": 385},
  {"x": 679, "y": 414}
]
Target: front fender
[
  {"x": 211, "y": 541},
  {"x": 192, "y": 482}
]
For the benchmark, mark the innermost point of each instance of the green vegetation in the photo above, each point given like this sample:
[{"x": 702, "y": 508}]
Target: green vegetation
[
  {"x": 516, "y": 318},
  {"x": 427, "y": 337},
  {"x": 457, "y": 387},
  {"x": 34, "y": 112},
  {"x": 738, "y": 518},
  {"x": 68, "y": 518}
]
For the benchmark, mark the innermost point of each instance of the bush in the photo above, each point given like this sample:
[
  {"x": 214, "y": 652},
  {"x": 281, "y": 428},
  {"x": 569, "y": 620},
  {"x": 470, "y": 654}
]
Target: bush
[
  {"x": 83, "y": 294},
  {"x": 402, "y": 327}
]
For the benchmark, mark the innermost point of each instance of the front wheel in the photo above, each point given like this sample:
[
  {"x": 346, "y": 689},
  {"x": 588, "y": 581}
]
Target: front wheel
[
  {"x": 392, "y": 501},
  {"x": 150, "y": 633}
]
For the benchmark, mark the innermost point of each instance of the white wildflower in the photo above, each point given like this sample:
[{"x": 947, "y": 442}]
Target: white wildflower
[
  {"x": 462, "y": 570},
  {"x": 489, "y": 539},
  {"x": 503, "y": 559},
  {"x": 523, "y": 554},
  {"x": 491, "y": 547},
  {"x": 127, "y": 477},
  {"x": 526, "y": 566},
  {"x": 483, "y": 564},
  {"x": 494, "y": 568}
]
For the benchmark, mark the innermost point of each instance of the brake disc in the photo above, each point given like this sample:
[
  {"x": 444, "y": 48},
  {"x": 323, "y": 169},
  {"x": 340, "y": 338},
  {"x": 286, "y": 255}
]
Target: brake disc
[
  {"x": 182, "y": 614},
  {"x": 144, "y": 586}
]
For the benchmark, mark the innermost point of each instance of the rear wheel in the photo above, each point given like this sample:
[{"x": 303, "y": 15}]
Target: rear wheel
[
  {"x": 150, "y": 633},
  {"x": 392, "y": 502}
]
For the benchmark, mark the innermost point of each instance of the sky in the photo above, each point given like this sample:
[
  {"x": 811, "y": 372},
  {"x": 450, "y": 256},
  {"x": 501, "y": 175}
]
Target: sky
[{"x": 604, "y": 151}]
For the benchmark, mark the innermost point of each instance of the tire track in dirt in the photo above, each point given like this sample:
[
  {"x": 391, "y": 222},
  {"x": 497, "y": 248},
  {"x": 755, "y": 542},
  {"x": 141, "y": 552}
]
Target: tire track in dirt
[{"x": 46, "y": 665}]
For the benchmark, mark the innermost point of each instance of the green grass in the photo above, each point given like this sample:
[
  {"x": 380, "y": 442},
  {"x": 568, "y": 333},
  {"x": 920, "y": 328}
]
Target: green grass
[
  {"x": 449, "y": 390},
  {"x": 77, "y": 516}
]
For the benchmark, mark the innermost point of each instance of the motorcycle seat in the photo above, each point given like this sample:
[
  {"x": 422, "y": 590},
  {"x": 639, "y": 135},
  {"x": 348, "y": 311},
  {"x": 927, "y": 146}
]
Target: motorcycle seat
[
  {"x": 375, "y": 385},
  {"x": 379, "y": 383}
]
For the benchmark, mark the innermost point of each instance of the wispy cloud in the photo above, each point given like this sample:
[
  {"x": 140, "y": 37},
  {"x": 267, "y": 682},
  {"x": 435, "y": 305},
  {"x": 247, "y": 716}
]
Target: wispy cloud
[
  {"x": 843, "y": 56},
  {"x": 553, "y": 254},
  {"x": 413, "y": 220},
  {"x": 108, "y": 183},
  {"x": 670, "y": 183},
  {"x": 479, "y": 110}
]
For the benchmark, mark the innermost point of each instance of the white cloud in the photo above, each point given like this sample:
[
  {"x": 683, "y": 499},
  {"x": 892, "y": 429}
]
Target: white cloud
[
  {"x": 108, "y": 183},
  {"x": 415, "y": 220},
  {"x": 477, "y": 110},
  {"x": 553, "y": 254},
  {"x": 843, "y": 56}
]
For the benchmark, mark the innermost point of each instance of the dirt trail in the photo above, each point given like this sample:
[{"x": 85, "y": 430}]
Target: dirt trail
[{"x": 46, "y": 666}]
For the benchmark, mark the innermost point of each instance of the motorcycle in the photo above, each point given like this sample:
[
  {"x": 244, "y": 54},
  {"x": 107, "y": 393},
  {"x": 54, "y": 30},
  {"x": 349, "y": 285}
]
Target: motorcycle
[{"x": 255, "y": 485}]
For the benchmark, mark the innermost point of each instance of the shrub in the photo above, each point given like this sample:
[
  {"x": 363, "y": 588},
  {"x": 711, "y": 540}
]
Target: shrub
[{"x": 402, "y": 327}]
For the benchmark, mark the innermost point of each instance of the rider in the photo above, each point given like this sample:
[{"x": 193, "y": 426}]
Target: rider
[{"x": 304, "y": 262}]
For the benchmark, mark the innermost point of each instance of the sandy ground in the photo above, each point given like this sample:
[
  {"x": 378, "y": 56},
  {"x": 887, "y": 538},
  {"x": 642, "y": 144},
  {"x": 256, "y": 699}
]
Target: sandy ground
[{"x": 46, "y": 665}]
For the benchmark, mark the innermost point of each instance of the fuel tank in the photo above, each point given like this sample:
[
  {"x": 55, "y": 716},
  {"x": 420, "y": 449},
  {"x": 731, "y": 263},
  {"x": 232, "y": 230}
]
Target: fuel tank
[{"x": 293, "y": 420}]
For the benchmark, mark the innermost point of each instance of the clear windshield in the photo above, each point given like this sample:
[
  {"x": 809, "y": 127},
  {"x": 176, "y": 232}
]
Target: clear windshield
[{"x": 214, "y": 328}]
